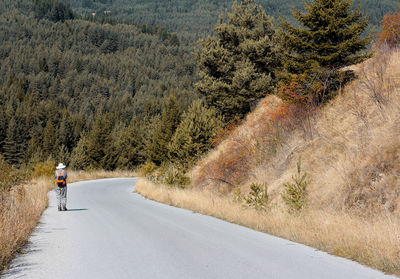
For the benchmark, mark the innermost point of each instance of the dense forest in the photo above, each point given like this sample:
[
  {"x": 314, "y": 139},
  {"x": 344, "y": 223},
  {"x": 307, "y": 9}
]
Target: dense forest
[
  {"x": 201, "y": 14},
  {"x": 60, "y": 78},
  {"x": 116, "y": 90}
]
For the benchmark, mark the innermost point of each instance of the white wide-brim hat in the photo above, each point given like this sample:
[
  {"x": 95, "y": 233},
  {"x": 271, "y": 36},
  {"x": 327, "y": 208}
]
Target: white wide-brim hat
[{"x": 60, "y": 166}]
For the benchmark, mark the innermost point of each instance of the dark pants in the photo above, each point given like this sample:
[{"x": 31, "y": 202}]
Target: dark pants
[{"x": 61, "y": 193}]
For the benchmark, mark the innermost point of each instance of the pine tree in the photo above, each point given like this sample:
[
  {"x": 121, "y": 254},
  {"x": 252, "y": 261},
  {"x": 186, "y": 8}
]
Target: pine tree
[
  {"x": 49, "y": 139},
  {"x": 98, "y": 142},
  {"x": 79, "y": 157},
  {"x": 130, "y": 146},
  {"x": 158, "y": 149},
  {"x": 65, "y": 134},
  {"x": 194, "y": 135},
  {"x": 3, "y": 127},
  {"x": 330, "y": 38},
  {"x": 236, "y": 67},
  {"x": 13, "y": 144}
]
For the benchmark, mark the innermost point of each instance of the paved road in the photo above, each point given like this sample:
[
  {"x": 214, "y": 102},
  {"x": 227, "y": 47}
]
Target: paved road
[{"x": 109, "y": 232}]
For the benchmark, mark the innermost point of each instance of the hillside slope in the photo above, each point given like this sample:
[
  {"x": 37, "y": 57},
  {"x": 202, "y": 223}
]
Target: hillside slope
[{"x": 350, "y": 149}]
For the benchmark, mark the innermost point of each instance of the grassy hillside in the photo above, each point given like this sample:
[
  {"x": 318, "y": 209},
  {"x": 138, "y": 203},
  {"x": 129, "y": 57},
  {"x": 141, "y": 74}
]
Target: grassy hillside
[
  {"x": 350, "y": 148},
  {"x": 349, "y": 151},
  {"x": 195, "y": 19}
]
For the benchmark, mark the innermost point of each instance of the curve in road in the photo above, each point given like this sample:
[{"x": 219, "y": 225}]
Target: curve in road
[{"x": 110, "y": 232}]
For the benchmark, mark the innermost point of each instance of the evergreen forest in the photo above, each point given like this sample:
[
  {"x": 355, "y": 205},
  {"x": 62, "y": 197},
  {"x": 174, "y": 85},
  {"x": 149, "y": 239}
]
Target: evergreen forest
[
  {"x": 64, "y": 81},
  {"x": 118, "y": 84},
  {"x": 194, "y": 19}
]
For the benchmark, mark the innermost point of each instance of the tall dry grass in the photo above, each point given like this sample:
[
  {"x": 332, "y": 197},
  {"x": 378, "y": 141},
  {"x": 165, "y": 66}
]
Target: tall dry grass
[
  {"x": 20, "y": 209},
  {"x": 373, "y": 242},
  {"x": 75, "y": 175}
]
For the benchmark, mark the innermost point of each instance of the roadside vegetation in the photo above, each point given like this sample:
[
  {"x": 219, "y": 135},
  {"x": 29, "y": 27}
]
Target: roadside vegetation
[{"x": 22, "y": 201}]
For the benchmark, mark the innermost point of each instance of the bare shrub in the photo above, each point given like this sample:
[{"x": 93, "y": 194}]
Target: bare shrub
[
  {"x": 374, "y": 81},
  {"x": 390, "y": 33}
]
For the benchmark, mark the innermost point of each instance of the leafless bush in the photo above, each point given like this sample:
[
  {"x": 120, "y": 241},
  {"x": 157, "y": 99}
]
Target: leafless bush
[{"x": 374, "y": 80}]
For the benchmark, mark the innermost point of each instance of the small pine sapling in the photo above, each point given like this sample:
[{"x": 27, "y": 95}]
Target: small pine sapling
[
  {"x": 295, "y": 193},
  {"x": 258, "y": 196}
]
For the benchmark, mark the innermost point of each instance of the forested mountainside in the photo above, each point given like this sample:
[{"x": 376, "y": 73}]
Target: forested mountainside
[
  {"x": 61, "y": 77},
  {"x": 196, "y": 18},
  {"x": 100, "y": 92}
]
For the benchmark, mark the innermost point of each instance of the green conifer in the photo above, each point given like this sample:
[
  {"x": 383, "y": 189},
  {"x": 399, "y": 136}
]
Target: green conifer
[
  {"x": 13, "y": 144},
  {"x": 79, "y": 157},
  {"x": 99, "y": 141},
  {"x": 330, "y": 37},
  {"x": 130, "y": 146},
  {"x": 49, "y": 139},
  {"x": 236, "y": 67},
  {"x": 158, "y": 149},
  {"x": 194, "y": 135},
  {"x": 3, "y": 127}
]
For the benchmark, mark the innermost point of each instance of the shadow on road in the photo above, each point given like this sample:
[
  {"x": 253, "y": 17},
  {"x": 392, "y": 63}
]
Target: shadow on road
[
  {"x": 77, "y": 209},
  {"x": 18, "y": 269}
]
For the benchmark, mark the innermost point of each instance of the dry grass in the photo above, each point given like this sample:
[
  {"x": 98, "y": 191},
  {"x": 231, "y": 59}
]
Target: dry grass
[
  {"x": 20, "y": 210},
  {"x": 75, "y": 176},
  {"x": 373, "y": 242}
]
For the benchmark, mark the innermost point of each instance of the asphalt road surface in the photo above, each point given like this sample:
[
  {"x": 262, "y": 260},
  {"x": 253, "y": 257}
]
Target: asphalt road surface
[{"x": 110, "y": 232}]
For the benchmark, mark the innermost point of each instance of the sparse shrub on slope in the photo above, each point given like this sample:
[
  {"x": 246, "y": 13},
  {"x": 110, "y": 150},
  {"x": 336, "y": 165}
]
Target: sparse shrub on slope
[
  {"x": 258, "y": 196},
  {"x": 259, "y": 138},
  {"x": 176, "y": 177},
  {"x": 148, "y": 169},
  {"x": 390, "y": 33},
  {"x": 295, "y": 193}
]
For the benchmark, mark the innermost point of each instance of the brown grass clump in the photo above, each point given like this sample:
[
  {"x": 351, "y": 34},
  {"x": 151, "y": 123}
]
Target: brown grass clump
[
  {"x": 374, "y": 242},
  {"x": 20, "y": 209}
]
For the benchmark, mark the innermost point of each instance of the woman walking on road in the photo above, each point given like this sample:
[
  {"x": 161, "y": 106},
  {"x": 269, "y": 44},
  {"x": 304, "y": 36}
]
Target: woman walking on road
[{"x": 61, "y": 187}]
